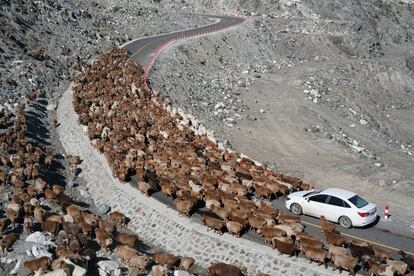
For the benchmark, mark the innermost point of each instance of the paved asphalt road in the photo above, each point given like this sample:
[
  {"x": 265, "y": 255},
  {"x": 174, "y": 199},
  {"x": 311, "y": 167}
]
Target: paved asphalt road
[{"x": 141, "y": 51}]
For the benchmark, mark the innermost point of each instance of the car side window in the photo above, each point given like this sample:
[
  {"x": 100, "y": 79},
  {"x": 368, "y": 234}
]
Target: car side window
[
  {"x": 318, "y": 198},
  {"x": 337, "y": 201}
]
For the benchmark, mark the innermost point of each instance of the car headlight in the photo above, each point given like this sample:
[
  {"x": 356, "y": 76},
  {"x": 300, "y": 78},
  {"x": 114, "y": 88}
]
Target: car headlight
[{"x": 287, "y": 198}]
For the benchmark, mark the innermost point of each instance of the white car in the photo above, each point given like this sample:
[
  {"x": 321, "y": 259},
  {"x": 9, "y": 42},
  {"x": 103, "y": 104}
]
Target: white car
[{"x": 337, "y": 205}]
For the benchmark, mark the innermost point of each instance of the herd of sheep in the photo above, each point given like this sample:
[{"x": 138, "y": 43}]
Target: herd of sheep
[
  {"x": 39, "y": 206},
  {"x": 139, "y": 136}
]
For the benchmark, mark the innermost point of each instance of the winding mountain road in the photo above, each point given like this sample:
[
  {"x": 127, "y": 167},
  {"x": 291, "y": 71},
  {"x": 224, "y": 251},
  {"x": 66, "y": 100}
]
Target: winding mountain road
[{"x": 142, "y": 50}]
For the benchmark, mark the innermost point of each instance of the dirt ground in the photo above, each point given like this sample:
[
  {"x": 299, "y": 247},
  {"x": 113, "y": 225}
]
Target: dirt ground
[{"x": 288, "y": 136}]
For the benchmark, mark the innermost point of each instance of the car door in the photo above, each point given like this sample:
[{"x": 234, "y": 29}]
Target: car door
[
  {"x": 316, "y": 205},
  {"x": 336, "y": 208}
]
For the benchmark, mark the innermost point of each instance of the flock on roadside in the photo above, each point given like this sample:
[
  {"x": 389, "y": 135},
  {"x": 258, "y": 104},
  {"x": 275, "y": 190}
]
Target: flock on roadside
[
  {"x": 139, "y": 137},
  {"x": 37, "y": 204}
]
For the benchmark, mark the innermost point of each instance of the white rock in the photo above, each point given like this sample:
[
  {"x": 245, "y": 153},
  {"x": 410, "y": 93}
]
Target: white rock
[
  {"x": 59, "y": 272},
  {"x": 181, "y": 273},
  {"x": 358, "y": 149},
  {"x": 51, "y": 107},
  {"x": 262, "y": 111},
  {"x": 41, "y": 251},
  {"x": 352, "y": 111},
  {"x": 84, "y": 129},
  {"x": 164, "y": 134},
  {"x": 363, "y": 122},
  {"x": 315, "y": 100},
  {"x": 37, "y": 237},
  {"x": 219, "y": 105},
  {"x": 378, "y": 164},
  {"x": 84, "y": 193},
  {"x": 109, "y": 267}
]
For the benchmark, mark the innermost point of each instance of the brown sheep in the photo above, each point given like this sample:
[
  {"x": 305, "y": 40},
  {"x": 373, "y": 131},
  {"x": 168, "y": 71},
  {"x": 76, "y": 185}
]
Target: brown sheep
[
  {"x": 327, "y": 225},
  {"x": 103, "y": 239},
  {"x": 407, "y": 259},
  {"x": 74, "y": 160},
  {"x": 7, "y": 241},
  {"x": 256, "y": 222},
  {"x": 166, "y": 259},
  {"x": 316, "y": 254},
  {"x": 168, "y": 188},
  {"x": 127, "y": 239},
  {"x": 4, "y": 222},
  {"x": 40, "y": 184},
  {"x": 399, "y": 266},
  {"x": 270, "y": 232},
  {"x": 306, "y": 243},
  {"x": 345, "y": 262},
  {"x": 32, "y": 191},
  {"x": 3, "y": 177},
  {"x": 159, "y": 270},
  {"x": 263, "y": 191},
  {"x": 12, "y": 215},
  {"x": 213, "y": 223},
  {"x": 106, "y": 226},
  {"x": 41, "y": 263},
  {"x": 360, "y": 250},
  {"x": 223, "y": 213},
  {"x": 55, "y": 218},
  {"x": 184, "y": 207},
  {"x": 74, "y": 211},
  {"x": 285, "y": 218},
  {"x": 212, "y": 202},
  {"x": 57, "y": 190},
  {"x": 222, "y": 269},
  {"x": 125, "y": 252},
  {"x": 338, "y": 250},
  {"x": 187, "y": 263},
  {"x": 49, "y": 194},
  {"x": 49, "y": 161},
  {"x": 234, "y": 228},
  {"x": 71, "y": 228},
  {"x": 90, "y": 218},
  {"x": 86, "y": 228},
  {"x": 118, "y": 218},
  {"x": 27, "y": 225},
  {"x": 285, "y": 247},
  {"x": 307, "y": 236},
  {"x": 144, "y": 187},
  {"x": 378, "y": 268},
  {"x": 380, "y": 252},
  {"x": 139, "y": 262},
  {"x": 334, "y": 238}
]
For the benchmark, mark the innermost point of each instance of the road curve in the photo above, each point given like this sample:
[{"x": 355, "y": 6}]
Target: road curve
[{"x": 141, "y": 51}]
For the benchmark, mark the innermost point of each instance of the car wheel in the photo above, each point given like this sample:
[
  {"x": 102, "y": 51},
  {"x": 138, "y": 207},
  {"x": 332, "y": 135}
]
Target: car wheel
[
  {"x": 296, "y": 209},
  {"x": 345, "y": 222}
]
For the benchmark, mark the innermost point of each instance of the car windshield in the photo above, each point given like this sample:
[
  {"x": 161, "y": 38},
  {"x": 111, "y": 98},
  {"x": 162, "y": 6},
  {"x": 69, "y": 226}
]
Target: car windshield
[
  {"x": 311, "y": 193},
  {"x": 358, "y": 201}
]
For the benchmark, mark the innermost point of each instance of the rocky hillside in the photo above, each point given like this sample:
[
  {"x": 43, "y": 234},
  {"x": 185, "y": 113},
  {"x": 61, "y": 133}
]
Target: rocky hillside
[
  {"x": 43, "y": 42},
  {"x": 320, "y": 90}
]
